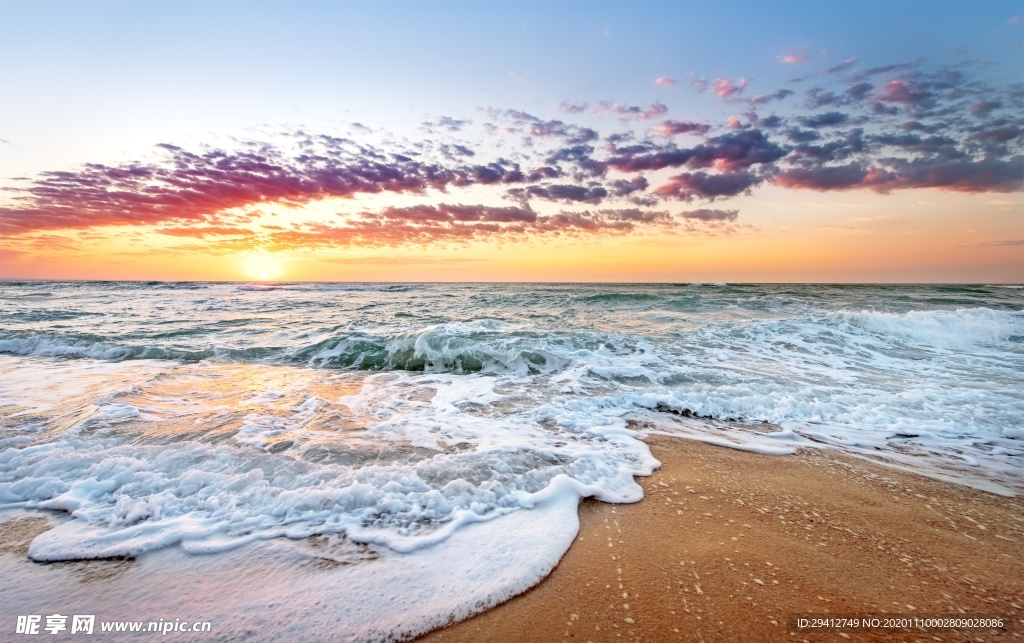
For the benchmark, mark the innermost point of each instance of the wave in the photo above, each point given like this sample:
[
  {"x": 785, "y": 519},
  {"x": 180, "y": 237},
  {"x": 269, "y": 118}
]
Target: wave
[
  {"x": 937, "y": 328},
  {"x": 93, "y": 348},
  {"x": 483, "y": 346},
  {"x": 611, "y": 297},
  {"x": 457, "y": 347},
  {"x": 327, "y": 287},
  {"x": 176, "y": 285},
  {"x": 492, "y": 346}
]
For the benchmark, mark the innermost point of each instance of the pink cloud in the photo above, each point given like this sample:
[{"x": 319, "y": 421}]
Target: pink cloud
[
  {"x": 796, "y": 57},
  {"x": 665, "y": 81},
  {"x": 726, "y": 88}
]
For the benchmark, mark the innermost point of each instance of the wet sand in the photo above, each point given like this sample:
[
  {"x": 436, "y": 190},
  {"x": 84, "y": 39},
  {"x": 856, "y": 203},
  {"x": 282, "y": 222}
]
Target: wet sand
[{"x": 726, "y": 544}]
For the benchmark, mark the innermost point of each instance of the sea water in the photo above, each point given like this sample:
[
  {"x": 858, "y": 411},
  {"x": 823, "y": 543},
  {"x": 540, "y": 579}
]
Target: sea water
[{"x": 429, "y": 442}]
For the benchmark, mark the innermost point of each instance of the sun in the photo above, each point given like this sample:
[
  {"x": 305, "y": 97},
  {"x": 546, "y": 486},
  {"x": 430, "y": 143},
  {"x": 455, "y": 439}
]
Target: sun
[{"x": 263, "y": 266}]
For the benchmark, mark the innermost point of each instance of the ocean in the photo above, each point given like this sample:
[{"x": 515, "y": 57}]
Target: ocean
[{"x": 429, "y": 443}]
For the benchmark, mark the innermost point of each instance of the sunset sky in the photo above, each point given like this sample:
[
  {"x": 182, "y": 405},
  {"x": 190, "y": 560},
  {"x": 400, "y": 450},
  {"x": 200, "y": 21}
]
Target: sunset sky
[{"x": 557, "y": 141}]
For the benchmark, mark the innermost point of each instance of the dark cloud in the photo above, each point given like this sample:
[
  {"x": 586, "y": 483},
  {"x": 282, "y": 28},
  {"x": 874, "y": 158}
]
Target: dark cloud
[
  {"x": 842, "y": 67},
  {"x": 705, "y": 214},
  {"x": 984, "y": 108},
  {"x": 701, "y": 185},
  {"x": 864, "y": 74},
  {"x": 543, "y": 172},
  {"x": 565, "y": 193},
  {"x": 771, "y": 121},
  {"x": 802, "y": 135},
  {"x": 828, "y": 119},
  {"x": 728, "y": 151},
  {"x": 453, "y": 213},
  {"x": 1000, "y": 134},
  {"x": 671, "y": 128},
  {"x": 985, "y": 175},
  {"x": 621, "y": 187},
  {"x": 840, "y": 177},
  {"x": 579, "y": 156},
  {"x": 926, "y": 145},
  {"x": 958, "y": 176},
  {"x": 774, "y": 96},
  {"x": 818, "y": 97},
  {"x": 838, "y": 149},
  {"x": 859, "y": 91}
]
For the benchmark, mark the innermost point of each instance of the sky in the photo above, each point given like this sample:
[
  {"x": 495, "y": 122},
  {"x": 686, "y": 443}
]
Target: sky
[{"x": 827, "y": 141}]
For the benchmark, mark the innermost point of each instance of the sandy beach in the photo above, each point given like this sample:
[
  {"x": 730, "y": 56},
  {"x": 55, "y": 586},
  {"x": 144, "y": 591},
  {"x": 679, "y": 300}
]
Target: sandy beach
[{"x": 726, "y": 544}]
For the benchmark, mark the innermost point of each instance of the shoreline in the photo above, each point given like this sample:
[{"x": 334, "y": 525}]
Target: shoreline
[{"x": 726, "y": 544}]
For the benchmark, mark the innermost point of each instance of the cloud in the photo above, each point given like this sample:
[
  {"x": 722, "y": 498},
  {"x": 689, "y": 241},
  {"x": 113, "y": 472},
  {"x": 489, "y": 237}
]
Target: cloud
[
  {"x": 705, "y": 214},
  {"x": 841, "y": 177},
  {"x": 905, "y": 92},
  {"x": 842, "y": 67},
  {"x": 580, "y": 156},
  {"x": 828, "y": 119},
  {"x": 887, "y": 128},
  {"x": 767, "y": 98},
  {"x": 624, "y": 112},
  {"x": 446, "y": 123},
  {"x": 725, "y": 88},
  {"x": 797, "y": 57},
  {"x": 671, "y": 128},
  {"x": 574, "y": 108},
  {"x": 456, "y": 213},
  {"x": 689, "y": 186},
  {"x": 859, "y": 91},
  {"x": 562, "y": 192},
  {"x": 952, "y": 175},
  {"x": 622, "y": 187},
  {"x": 983, "y": 108},
  {"x": 665, "y": 81},
  {"x": 801, "y": 135},
  {"x": 445, "y": 223},
  {"x": 535, "y": 126},
  {"x": 997, "y": 244},
  {"x": 728, "y": 152},
  {"x": 205, "y": 231},
  {"x": 191, "y": 186}
]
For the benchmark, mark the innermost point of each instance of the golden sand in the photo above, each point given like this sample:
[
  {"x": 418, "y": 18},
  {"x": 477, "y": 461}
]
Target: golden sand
[{"x": 726, "y": 544}]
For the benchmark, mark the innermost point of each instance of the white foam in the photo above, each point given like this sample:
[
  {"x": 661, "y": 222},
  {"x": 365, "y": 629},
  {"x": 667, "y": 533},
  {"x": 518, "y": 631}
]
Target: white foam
[
  {"x": 378, "y": 595},
  {"x": 129, "y": 497},
  {"x": 940, "y": 328}
]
